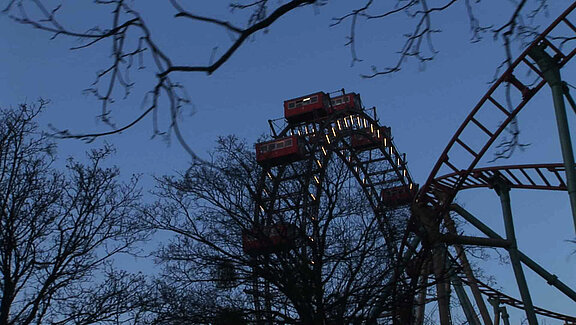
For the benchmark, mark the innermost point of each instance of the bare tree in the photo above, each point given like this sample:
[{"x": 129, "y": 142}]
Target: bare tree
[
  {"x": 59, "y": 231},
  {"x": 132, "y": 42},
  {"x": 329, "y": 262}
]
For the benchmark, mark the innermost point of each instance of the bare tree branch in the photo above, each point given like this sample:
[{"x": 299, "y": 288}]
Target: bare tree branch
[
  {"x": 57, "y": 230},
  {"x": 130, "y": 41}
]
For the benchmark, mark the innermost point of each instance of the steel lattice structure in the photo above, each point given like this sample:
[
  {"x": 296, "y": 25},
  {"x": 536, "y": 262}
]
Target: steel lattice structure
[
  {"x": 290, "y": 192},
  {"x": 427, "y": 250}
]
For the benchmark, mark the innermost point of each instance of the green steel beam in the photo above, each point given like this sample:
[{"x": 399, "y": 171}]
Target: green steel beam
[
  {"x": 496, "y": 306},
  {"x": 442, "y": 289},
  {"x": 461, "y": 255},
  {"x": 476, "y": 241},
  {"x": 505, "y": 316},
  {"x": 551, "y": 73},
  {"x": 503, "y": 191},
  {"x": 550, "y": 278},
  {"x": 499, "y": 311},
  {"x": 465, "y": 303}
]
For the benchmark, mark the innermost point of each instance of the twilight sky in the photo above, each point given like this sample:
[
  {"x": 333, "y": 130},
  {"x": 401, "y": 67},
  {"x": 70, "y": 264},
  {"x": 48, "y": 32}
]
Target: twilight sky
[{"x": 300, "y": 54}]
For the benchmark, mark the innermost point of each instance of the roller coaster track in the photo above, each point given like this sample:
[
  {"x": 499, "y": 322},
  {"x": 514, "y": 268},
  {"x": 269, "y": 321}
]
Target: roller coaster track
[
  {"x": 463, "y": 153},
  {"x": 533, "y": 176},
  {"x": 462, "y": 165},
  {"x": 505, "y": 299}
]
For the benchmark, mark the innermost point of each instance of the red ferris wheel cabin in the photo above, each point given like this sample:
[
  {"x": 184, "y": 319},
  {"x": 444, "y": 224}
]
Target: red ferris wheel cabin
[
  {"x": 400, "y": 195},
  {"x": 279, "y": 151},
  {"x": 346, "y": 101},
  {"x": 307, "y": 107},
  {"x": 270, "y": 239}
]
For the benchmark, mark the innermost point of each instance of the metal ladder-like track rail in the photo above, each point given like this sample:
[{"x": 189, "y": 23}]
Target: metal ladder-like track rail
[
  {"x": 510, "y": 301},
  {"x": 470, "y": 155},
  {"x": 457, "y": 163},
  {"x": 534, "y": 176}
]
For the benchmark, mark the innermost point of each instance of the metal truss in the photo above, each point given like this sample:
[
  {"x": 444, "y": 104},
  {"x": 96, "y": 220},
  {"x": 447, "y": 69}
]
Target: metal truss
[
  {"x": 291, "y": 192},
  {"x": 456, "y": 170},
  {"x": 490, "y": 105},
  {"x": 429, "y": 255},
  {"x": 534, "y": 176}
]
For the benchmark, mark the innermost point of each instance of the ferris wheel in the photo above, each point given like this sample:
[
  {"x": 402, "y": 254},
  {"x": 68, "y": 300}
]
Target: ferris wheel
[{"x": 423, "y": 256}]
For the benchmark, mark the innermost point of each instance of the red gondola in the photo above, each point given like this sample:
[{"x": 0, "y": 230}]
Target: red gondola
[
  {"x": 306, "y": 108},
  {"x": 279, "y": 151},
  {"x": 346, "y": 101},
  {"x": 275, "y": 238},
  {"x": 400, "y": 195},
  {"x": 368, "y": 139}
]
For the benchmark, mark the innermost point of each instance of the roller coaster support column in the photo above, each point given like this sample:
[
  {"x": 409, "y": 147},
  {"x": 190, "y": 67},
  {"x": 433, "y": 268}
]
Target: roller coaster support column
[
  {"x": 449, "y": 223},
  {"x": 430, "y": 222},
  {"x": 469, "y": 312},
  {"x": 505, "y": 316},
  {"x": 499, "y": 310},
  {"x": 421, "y": 299},
  {"x": 496, "y": 305},
  {"x": 442, "y": 283},
  {"x": 503, "y": 191},
  {"x": 550, "y": 278},
  {"x": 551, "y": 73}
]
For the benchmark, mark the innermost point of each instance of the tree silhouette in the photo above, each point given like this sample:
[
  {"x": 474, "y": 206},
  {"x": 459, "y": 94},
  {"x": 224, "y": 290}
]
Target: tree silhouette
[
  {"x": 59, "y": 231},
  {"x": 333, "y": 265}
]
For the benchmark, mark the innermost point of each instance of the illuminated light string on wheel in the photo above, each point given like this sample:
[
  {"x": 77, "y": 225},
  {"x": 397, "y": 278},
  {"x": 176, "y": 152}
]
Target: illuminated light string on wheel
[{"x": 345, "y": 132}]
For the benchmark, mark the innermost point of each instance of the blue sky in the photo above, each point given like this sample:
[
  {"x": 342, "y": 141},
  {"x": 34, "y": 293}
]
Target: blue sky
[{"x": 300, "y": 55}]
